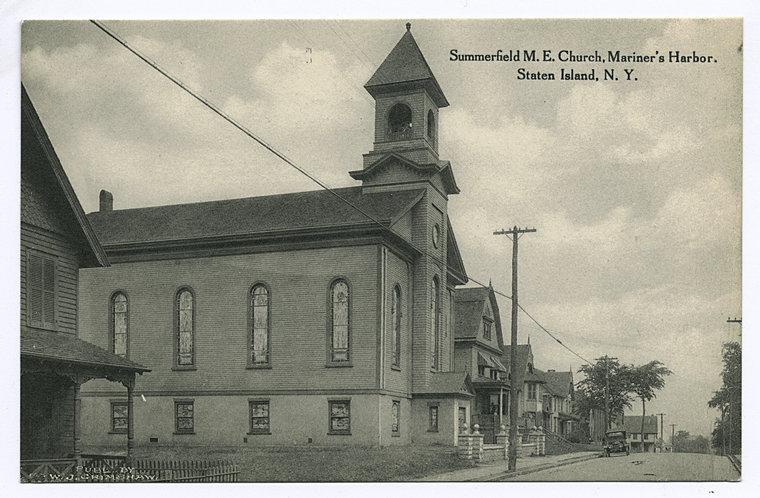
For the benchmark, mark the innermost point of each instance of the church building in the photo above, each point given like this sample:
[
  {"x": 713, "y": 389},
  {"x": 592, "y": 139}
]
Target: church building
[{"x": 321, "y": 317}]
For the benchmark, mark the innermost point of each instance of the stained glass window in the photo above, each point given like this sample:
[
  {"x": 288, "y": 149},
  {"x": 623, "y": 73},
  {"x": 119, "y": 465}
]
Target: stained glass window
[
  {"x": 433, "y": 418},
  {"x": 185, "y": 325},
  {"x": 395, "y": 416},
  {"x": 119, "y": 324},
  {"x": 396, "y": 321},
  {"x": 340, "y": 321},
  {"x": 184, "y": 413},
  {"x": 260, "y": 325},
  {"x": 119, "y": 417},
  {"x": 259, "y": 417},
  {"x": 435, "y": 309},
  {"x": 340, "y": 417}
]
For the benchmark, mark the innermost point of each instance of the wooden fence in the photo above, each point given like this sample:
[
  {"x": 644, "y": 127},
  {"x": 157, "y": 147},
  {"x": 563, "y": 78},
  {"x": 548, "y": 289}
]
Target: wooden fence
[
  {"x": 187, "y": 471},
  {"x": 101, "y": 468}
]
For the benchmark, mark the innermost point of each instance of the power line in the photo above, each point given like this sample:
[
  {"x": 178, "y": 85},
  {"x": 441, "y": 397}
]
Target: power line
[
  {"x": 231, "y": 120},
  {"x": 552, "y": 335},
  {"x": 301, "y": 170},
  {"x": 261, "y": 141}
]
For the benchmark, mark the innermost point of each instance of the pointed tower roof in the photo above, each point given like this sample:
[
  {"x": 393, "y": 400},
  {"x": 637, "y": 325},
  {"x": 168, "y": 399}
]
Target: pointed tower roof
[{"x": 406, "y": 68}]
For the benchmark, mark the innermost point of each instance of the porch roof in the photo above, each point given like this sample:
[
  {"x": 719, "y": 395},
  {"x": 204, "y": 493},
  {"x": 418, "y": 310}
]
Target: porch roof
[
  {"x": 66, "y": 348},
  {"x": 457, "y": 383},
  {"x": 483, "y": 383},
  {"x": 490, "y": 362}
]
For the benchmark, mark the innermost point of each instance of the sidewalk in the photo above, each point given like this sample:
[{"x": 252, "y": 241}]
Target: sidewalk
[{"x": 498, "y": 469}]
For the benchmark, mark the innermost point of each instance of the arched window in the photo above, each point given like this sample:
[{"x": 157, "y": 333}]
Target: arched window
[
  {"x": 431, "y": 126},
  {"x": 435, "y": 308},
  {"x": 400, "y": 122},
  {"x": 185, "y": 328},
  {"x": 259, "y": 338},
  {"x": 119, "y": 323},
  {"x": 339, "y": 328},
  {"x": 396, "y": 322}
]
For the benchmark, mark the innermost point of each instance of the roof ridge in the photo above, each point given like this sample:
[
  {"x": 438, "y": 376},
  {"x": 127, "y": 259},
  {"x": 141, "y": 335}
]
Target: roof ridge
[{"x": 198, "y": 203}]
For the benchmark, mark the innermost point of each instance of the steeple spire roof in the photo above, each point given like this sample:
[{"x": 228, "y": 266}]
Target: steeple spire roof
[{"x": 405, "y": 68}]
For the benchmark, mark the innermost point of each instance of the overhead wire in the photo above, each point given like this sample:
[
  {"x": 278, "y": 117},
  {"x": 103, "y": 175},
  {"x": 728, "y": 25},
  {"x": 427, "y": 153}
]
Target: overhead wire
[{"x": 105, "y": 29}]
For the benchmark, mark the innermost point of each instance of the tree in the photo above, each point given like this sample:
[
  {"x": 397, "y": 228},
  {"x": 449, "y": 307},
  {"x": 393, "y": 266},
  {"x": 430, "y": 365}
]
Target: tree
[
  {"x": 728, "y": 399},
  {"x": 591, "y": 390},
  {"x": 644, "y": 381},
  {"x": 683, "y": 442}
]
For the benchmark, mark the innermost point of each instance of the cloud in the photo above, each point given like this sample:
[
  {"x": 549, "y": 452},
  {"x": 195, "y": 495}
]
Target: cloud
[
  {"x": 110, "y": 88},
  {"x": 312, "y": 106},
  {"x": 635, "y": 189}
]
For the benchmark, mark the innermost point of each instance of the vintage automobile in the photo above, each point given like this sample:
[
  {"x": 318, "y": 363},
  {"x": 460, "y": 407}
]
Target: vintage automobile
[{"x": 614, "y": 442}]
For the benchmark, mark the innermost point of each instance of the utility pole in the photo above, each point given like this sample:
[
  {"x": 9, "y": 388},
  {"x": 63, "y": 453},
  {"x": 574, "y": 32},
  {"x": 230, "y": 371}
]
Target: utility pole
[
  {"x": 662, "y": 427},
  {"x": 514, "y": 234},
  {"x": 672, "y": 438},
  {"x": 606, "y": 359}
]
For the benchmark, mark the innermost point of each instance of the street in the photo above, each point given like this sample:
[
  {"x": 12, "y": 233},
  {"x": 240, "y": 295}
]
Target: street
[{"x": 642, "y": 467}]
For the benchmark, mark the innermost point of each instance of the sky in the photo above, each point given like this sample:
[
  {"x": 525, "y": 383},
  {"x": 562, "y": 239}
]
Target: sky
[{"x": 634, "y": 187}]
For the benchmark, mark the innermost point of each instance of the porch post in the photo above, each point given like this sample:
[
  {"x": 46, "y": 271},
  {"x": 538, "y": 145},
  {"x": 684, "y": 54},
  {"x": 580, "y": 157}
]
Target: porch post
[
  {"x": 77, "y": 424},
  {"x": 501, "y": 404},
  {"x": 130, "y": 420}
]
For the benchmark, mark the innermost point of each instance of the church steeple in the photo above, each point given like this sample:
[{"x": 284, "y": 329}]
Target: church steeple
[
  {"x": 404, "y": 69},
  {"x": 407, "y": 99}
]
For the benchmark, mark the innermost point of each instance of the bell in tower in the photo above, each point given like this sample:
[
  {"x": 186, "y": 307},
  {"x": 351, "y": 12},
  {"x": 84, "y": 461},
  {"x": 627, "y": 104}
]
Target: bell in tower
[{"x": 407, "y": 99}]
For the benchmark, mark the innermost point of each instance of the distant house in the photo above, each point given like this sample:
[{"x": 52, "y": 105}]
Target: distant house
[
  {"x": 478, "y": 349},
  {"x": 56, "y": 241},
  {"x": 557, "y": 407},
  {"x": 530, "y": 386},
  {"x": 632, "y": 426}
]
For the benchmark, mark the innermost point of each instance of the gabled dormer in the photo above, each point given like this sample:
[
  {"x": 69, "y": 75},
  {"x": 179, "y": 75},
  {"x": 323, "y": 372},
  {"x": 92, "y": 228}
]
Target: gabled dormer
[{"x": 477, "y": 318}]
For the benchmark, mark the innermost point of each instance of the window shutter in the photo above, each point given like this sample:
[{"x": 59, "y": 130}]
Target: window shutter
[
  {"x": 34, "y": 299},
  {"x": 49, "y": 292}
]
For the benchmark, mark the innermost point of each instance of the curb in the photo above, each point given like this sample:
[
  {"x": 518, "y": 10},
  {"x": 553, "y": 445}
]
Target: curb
[
  {"x": 530, "y": 470},
  {"x": 736, "y": 462}
]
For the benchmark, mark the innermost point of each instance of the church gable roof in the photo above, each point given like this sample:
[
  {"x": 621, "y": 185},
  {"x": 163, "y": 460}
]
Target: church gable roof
[
  {"x": 454, "y": 257},
  {"x": 406, "y": 67},
  {"x": 264, "y": 215}
]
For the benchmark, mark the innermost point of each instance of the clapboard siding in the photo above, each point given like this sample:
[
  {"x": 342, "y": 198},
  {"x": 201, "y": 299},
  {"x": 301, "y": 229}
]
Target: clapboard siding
[
  {"x": 66, "y": 256},
  {"x": 298, "y": 282}
]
